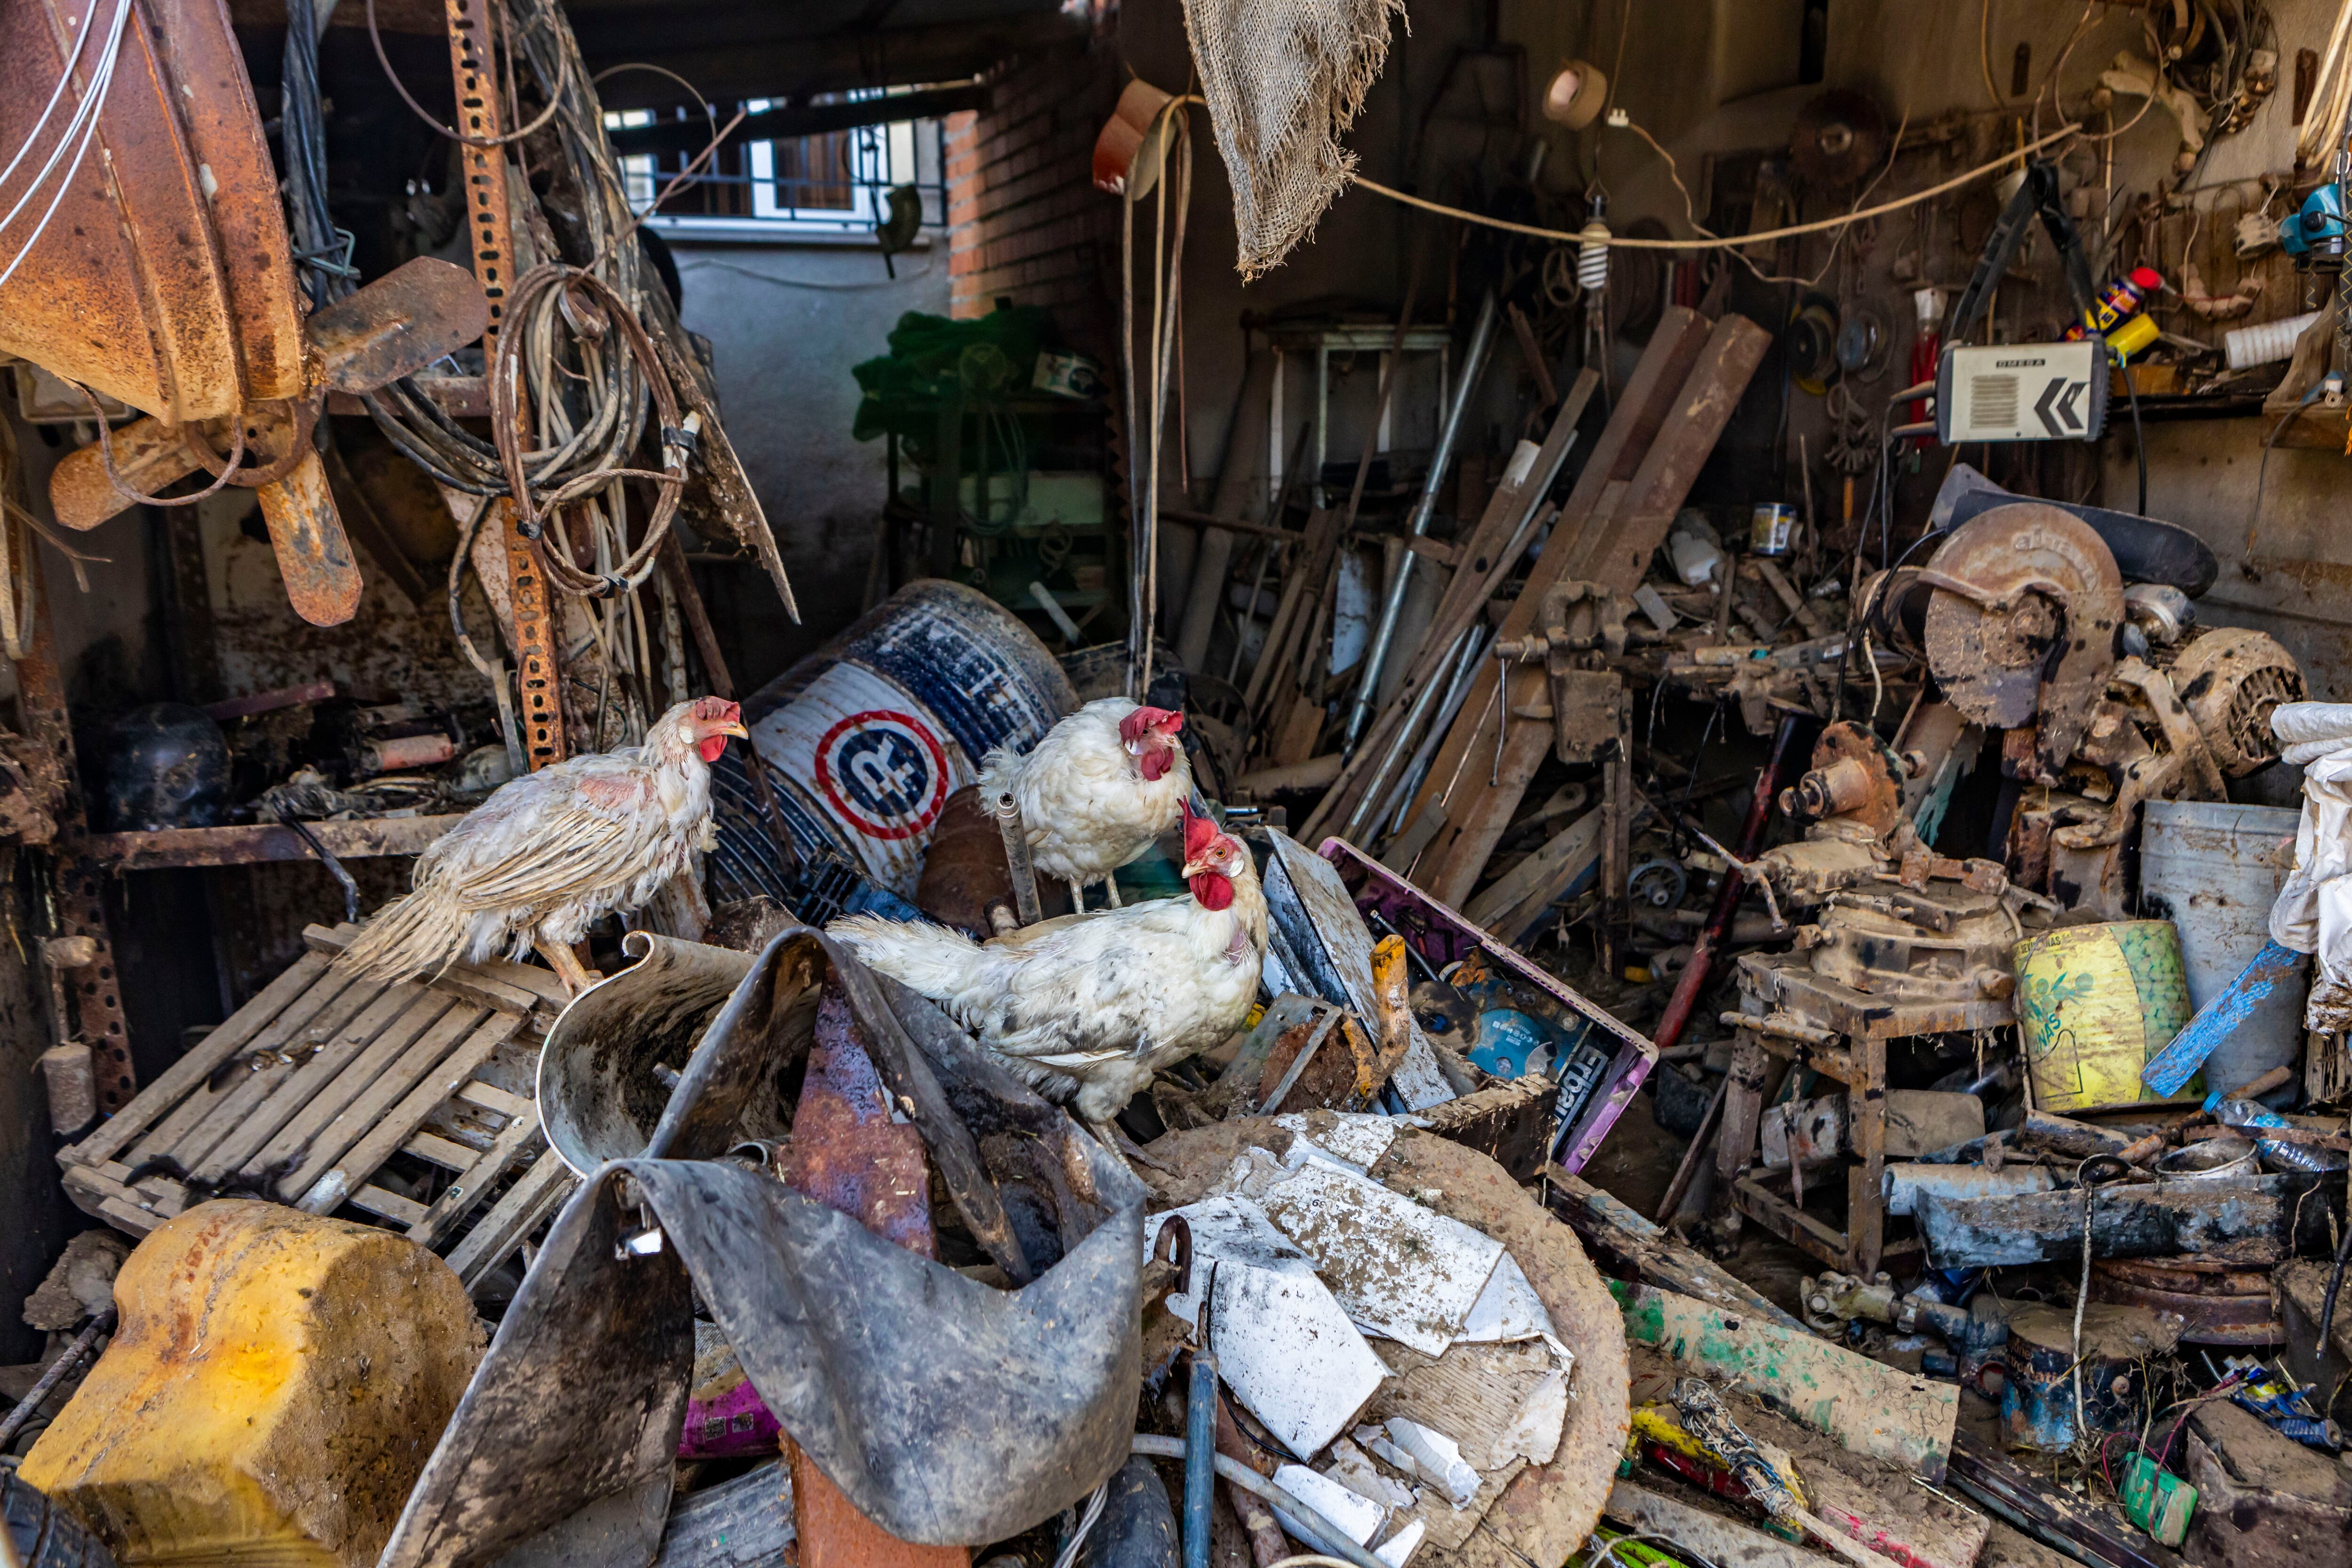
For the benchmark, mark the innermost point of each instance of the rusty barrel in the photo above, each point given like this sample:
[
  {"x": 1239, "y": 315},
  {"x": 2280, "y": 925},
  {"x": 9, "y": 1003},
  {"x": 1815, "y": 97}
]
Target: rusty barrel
[{"x": 866, "y": 739}]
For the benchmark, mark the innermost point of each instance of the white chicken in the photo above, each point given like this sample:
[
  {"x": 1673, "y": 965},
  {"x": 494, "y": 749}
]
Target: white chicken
[
  {"x": 1092, "y": 1006},
  {"x": 551, "y": 853},
  {"x": 1102, "y": 785}
]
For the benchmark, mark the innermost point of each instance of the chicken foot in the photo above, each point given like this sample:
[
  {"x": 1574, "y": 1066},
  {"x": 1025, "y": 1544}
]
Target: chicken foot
[
  {"x": 1123, "y": 1149},
  {"x": 566, "y": 963},
  {"x": 1078, "y": 896},
  {"x": 1110, "y": 887}
]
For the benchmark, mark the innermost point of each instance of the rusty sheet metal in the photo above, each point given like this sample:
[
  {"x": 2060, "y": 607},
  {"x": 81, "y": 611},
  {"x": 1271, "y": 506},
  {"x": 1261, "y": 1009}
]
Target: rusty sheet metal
[
  {"x": 2221, "y": 1305},
  {"x": 176, "y": 846},
  {"x": 148, "y": 454},
  {"x": 846, "y": 1151},
  {"x": 166, "y": 263},
  {"x": 414, "y": 315},
  {"x": 322, "y": 580},
  {"x": 2010, "y": 585}
]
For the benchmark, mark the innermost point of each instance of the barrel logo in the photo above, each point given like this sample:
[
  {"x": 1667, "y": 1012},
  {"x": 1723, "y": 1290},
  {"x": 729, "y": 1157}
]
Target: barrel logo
[{"x": 884, "y": 772}]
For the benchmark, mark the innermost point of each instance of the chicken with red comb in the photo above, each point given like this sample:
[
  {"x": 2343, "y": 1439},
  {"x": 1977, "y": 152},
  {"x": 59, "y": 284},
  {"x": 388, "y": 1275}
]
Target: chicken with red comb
[
  {"x": 1095, "y": 791},
  {"x": 1089, "y": 1008},
  {"x": 551, "y": 853}
]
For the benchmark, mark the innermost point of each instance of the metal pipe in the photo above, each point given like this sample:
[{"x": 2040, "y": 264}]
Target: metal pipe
[
  {"x": 1200, "y": 1456},
  {"x": 1482, "y": 338},
  {"x": 1456, "y": 691},
  {"x": 60, "y": 1370},
  {"x": 1016, "y": 859},
  {"x": 1695, "y": 974},
  {"x": 1318, "y": 1531},
  {"x": 1404, "y": 737}
]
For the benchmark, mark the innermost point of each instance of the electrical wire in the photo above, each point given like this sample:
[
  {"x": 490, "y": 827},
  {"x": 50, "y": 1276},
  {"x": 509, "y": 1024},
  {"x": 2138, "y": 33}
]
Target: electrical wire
[
  {"x": 1625, "y": 242},
  {"x": 80, "y": 131},
  {"x": 451, "y": 132}
]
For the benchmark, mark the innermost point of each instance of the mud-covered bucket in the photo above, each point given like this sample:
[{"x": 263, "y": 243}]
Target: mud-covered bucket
[{"x": 2093, "y": 1004}]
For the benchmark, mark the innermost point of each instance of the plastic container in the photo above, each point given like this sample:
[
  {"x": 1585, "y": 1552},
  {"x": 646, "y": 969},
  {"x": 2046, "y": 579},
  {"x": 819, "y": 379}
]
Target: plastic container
[
  {"x": 865, "y": 740},
  {"x": 1772, "y": 527},
  {"x": 2119, "y": 299},
  {"x": 2093, "y": 1004},
  {"x": 2266, "y": 344},
  {"x": 2215, "y": 869}
]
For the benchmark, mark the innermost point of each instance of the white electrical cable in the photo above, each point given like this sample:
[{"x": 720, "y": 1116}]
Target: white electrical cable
[
  {"x": 73, "y": 58},
  {"x": 2331, "y": 94},
  {"x": 85, "y": 122}
]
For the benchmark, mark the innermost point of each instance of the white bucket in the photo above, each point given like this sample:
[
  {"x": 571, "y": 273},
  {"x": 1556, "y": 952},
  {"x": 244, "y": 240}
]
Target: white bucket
[{"x": 2215, "y": 869}]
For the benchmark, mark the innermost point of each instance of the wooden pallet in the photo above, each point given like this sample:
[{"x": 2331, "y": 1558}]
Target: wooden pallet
[{"x": 307, "y": 1093}]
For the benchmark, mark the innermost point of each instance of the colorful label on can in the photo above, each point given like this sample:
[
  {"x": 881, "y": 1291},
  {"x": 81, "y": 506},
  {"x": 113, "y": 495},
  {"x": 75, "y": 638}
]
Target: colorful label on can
[
  {"x": 864, "y": 755},
  {"x": 1772, "y": 527},
  {"x": 2093, "y": 1005}
]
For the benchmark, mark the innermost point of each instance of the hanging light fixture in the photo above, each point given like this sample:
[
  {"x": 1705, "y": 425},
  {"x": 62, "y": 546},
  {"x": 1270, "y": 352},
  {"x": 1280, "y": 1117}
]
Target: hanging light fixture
[{"x": 1575, "y": 95}]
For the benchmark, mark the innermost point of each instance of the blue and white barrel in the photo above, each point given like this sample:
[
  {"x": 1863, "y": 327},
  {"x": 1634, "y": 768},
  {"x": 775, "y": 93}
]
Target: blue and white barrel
[{"x": 866, "y": 738}]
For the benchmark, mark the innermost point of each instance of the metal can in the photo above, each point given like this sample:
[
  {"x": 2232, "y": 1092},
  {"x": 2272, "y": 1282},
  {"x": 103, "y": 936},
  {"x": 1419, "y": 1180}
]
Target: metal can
[
  {"x": 1772, "y": 527},
  {"x": 865, "y": 740}
]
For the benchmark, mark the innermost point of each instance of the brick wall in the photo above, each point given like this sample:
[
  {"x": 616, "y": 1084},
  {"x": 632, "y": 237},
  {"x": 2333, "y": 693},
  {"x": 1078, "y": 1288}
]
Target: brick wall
[{"x": 1024, "y": 220}]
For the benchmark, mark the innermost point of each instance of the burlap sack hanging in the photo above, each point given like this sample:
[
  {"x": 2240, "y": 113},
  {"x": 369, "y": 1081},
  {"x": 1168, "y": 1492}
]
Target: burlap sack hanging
[{"x": 1284, "y": 78}]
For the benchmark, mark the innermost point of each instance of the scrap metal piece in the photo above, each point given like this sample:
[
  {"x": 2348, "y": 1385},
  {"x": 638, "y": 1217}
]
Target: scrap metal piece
[
  {"x": 2220, "y": 1305},
  {"x": 2020, "y": 626},
  {"x": 314, "y": 556},
  {"x": 416, "y": 314},
  {"x": 1010, "y": 1406},
  {"x": 2231, "y": 679}
]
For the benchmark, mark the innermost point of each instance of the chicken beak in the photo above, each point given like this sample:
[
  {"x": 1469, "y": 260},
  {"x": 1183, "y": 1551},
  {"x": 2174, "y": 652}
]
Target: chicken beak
[
  {"x": 735, "y": 730},
  {"x": 1195, "y": 867}
]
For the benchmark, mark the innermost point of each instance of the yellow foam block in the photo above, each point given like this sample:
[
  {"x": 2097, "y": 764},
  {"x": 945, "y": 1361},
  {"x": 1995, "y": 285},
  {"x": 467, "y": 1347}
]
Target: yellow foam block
[{"x": 271, "y": 1393}]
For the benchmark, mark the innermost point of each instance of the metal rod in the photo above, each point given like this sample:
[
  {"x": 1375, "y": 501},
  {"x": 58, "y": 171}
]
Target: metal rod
[
  {"x": 1320, "y": 1531},
  {"x": 1200, "y": 1456},
  {"x": 1406, "y": 733},
  {"x": 1017, "y": 860},
  {"x": 1482, "y": 338},
  {"x": 60, "y": 1370},
  {"x": 1456, "y": 691},
  {"x": 1695, "y": 974},
  {"x": 1299, "y": 1063}
]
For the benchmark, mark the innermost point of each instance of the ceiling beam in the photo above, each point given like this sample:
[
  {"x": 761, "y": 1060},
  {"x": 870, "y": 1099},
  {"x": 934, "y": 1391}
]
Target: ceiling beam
[{"x": 689, "y": 136}]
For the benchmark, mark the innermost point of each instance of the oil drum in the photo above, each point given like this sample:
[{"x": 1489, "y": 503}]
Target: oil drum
[{"x": 865, "y": 740}]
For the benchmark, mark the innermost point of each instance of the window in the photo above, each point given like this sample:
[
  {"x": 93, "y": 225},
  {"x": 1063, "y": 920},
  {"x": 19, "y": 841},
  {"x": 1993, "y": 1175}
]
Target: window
[{"x": 826, "y": 181}]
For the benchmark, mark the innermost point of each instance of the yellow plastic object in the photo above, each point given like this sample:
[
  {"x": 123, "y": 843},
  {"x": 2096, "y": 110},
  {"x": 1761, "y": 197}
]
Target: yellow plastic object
[
  {"x": 1662, "y": 1425},
  {"x": 2093, "y": 1004},
  {"x": 271, "y": 1395}
]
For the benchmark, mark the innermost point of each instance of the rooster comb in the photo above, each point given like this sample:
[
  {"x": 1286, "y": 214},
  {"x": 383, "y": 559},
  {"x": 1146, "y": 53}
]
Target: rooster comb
[
  {"x": 1143, "y": 720},
  {"x": 717, "y": 710},
  {"x": 1200, "y": 832}
]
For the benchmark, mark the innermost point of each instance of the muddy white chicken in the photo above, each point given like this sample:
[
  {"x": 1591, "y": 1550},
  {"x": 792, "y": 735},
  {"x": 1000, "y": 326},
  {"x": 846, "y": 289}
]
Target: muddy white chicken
[
  {"x": 1092, "y": 1006},
  {"x": 551, "y": 853},
  {"x": 1095, "y": 793}
]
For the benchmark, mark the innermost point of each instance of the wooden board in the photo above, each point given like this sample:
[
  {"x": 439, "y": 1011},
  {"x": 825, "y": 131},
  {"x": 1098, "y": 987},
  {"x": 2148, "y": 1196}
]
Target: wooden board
[{"x": 309, "y": 1090}]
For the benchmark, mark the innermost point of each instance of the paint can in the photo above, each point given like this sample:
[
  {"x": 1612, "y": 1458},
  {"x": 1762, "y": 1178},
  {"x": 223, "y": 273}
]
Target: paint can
[
  {"x": 1771, "y": 528},
  {"x": 2093, "y": 1004},
  {"x": 866, "y": 739},
  {"x": 2214, "y": 869},
  {"x": 2037, "y": 1403}
]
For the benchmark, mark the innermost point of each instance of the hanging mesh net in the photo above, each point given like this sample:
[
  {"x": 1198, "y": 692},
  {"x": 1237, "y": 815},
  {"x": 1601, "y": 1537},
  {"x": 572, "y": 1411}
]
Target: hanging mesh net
[{"x": 1284, "y": 78}]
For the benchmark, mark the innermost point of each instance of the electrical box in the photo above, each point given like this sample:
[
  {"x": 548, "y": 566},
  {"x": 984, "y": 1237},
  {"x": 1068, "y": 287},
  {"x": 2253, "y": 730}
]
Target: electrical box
[{"x": 2021, "y": 392}]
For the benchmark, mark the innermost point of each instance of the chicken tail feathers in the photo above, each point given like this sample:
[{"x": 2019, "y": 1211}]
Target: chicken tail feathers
[
  {"x": 419, "y": 933},
  {"x": 929, "y": 960},
  {"x": 999, "y": 772}
]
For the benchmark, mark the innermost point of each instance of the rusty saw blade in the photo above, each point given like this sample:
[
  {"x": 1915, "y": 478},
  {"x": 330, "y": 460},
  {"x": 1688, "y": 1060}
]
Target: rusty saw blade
[{"x": 2022, "y": 625}]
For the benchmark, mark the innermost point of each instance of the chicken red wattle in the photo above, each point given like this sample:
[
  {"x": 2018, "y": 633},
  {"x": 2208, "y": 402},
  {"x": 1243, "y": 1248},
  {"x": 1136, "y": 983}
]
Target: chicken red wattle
[
  {"x": 1208, "y": 861},
  {"x": 720, "y": 719},
  {"x": 1150, "y": 735}
]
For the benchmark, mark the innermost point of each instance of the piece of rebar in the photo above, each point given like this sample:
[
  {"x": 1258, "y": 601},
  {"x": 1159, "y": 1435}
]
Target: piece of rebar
[
  {"x": 1200, "y": 1456},
  {"x": 1016, "y": 859},
  {"x": 60, "y": 1370},
  {"x": 1482, "y": 338}
]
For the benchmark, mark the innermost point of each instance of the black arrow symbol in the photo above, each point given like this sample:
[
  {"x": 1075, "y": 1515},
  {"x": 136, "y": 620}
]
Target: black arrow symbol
[
  {"x": 2060, "y": 396},
  {"x": 2066, "y": 400}
]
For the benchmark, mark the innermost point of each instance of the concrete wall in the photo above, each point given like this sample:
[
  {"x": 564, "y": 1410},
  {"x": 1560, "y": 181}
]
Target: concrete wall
[{"x": 785, "y": 324}]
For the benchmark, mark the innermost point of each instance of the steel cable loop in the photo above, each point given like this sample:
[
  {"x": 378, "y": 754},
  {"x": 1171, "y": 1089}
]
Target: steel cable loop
[{"x": 538, "y": 294}]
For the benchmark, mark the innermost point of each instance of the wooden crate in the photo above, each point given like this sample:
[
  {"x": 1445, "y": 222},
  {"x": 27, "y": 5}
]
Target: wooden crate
[{"x": 311, "y": 1087}]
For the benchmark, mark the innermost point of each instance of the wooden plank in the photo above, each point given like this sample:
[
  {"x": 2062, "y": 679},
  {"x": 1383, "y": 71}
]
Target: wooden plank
[
  {"x": 388, "y": 1206},
  {"x": 539, "y": 1191},
  {"x": 459, "y": 1198},
  {"x": 344, "y": 1115},
  {"x": 414, "y": 1009},
  {"x": 178, "y": 847},
  {"x": 434, "y": 1014},
  {"x": 1723, "y": 1542},
  {"x": 436, "y": 1150},
  {"x": 490, "y": 1097},
  {"x": 106, "y": 1196},
  {"x": 364, "y": 1009},
  {"x": 401, "y": 1122},
  {"x": 1481, "y": 826},
  {"x": 1551, "y": 870},
  {"x": 1628, "y": 1240},
  {"x": 281, "y": 1030},
  {"x": 469, "y": 981},
  {"x": 189, "y": 1072}
]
